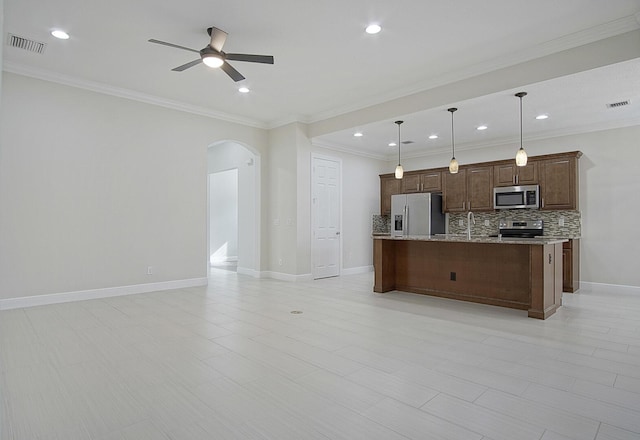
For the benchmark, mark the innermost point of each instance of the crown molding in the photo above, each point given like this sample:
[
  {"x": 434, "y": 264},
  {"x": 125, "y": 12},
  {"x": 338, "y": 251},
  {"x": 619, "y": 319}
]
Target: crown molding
[
  {"x": 342, "y": 149},
  {"x": 576, "y": 39},
  {"x": 106, "y": 89}
]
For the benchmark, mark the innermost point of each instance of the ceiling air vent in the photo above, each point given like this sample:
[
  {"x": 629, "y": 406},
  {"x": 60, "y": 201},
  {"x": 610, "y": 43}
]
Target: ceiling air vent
[
  {"x": 406, "y": 142},
  {"x": 26, "y": 44},
  {"x": 618, "y": 104}
]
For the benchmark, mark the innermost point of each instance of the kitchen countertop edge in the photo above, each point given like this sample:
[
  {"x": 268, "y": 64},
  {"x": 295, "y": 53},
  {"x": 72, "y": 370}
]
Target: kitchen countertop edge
[{"x": 463, "y": 239}]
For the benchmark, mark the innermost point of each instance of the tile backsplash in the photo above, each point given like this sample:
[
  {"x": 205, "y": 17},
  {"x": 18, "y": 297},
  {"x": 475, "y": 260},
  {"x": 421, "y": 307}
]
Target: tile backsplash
[
  {"x": 551, "y": 219},
  {"x": 381, "y": 224}
]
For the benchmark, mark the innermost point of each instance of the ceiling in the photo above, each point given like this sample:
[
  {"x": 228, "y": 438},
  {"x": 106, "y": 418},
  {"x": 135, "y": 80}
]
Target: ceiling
[{"x": 326, "y": 65}]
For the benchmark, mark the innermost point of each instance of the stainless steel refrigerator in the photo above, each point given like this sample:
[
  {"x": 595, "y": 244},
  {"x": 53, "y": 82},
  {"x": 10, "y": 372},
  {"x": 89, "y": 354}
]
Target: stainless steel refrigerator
[{"x": 416, "y": 214}]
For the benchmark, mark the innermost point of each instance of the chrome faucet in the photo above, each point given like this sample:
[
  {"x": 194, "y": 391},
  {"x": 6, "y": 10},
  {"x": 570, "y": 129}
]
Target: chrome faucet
[{"x": 470, "y": 218}]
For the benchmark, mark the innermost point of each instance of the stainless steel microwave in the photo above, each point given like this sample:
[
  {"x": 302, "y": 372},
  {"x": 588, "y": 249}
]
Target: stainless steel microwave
[{"x": 516, "y": 197}]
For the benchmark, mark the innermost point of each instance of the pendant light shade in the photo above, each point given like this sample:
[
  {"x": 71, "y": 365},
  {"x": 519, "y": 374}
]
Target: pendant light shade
[
  {"x": 399, "y": 170},
  {"x": 521, "y": 155},
  {"x": 453, "y": 165}
]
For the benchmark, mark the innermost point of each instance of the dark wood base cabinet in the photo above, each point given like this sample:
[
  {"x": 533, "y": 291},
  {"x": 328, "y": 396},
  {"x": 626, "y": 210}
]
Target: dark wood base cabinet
[
  {"x": 519, "y": 276},
  {"x": 571, "y": 266}
]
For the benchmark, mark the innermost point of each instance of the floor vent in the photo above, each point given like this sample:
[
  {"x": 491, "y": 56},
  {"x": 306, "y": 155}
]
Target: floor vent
[
  {"x": 26, "y": 44},
  {"x": 618, "y": 104}
]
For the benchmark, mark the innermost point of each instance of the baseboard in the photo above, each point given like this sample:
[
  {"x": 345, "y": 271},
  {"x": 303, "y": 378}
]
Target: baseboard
[
  {"x": 586, "y": 286},
  {"x": 56, "y": 298},
  {"x": 251, "y": 272},
  {"x": 285, "y": 276},
  {"x": 357, "y": 270}
]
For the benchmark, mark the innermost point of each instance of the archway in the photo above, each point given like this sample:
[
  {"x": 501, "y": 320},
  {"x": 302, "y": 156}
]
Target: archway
[{"x": 231, "y": 158}]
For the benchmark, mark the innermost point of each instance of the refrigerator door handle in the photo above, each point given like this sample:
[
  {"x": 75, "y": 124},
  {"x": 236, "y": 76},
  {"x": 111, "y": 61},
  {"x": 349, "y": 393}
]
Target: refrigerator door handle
[{"x": 405, "y": 223}]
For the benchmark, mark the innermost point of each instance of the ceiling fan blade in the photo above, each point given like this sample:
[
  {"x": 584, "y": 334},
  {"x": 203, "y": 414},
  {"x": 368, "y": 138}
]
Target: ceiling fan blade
[
  {"x": 164, "y": 43},
  {"x": 186, "y": 66},
  {"x": 266, "y": 59},
  {"x": 233, "y": 73},
  {"x": 218, "y": 37}
]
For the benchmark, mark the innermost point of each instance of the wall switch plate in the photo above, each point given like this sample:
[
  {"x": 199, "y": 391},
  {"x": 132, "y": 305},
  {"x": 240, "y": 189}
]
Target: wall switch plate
[
  {"x": 276, "y": 222},
  {"x": 149, "y": 270},
  {"x": 561, "y": 221},
  {"x": 460, "y": 222},
  {"x": 486, "y": 222}
]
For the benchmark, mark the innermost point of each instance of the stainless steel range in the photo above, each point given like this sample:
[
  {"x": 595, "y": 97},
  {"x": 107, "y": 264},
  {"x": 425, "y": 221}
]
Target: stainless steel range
[{"x": 520, "y": 228}]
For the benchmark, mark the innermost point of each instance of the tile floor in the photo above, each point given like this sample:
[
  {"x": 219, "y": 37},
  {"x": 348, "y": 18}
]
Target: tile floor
[{"x": 230, "y": 361}]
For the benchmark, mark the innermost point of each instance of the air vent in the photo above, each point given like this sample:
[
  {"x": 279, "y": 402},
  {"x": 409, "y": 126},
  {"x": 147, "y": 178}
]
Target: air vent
[
  {"x": 26, "y": 44},
  {"x": 407, "y": 142},
  {"x": 618, "y": 104}
]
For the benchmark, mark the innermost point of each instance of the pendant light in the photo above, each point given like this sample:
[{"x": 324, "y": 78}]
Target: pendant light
[
  {"x": 521, "y": 155},
  {"x": 453, "y": 165},
  {"x": 399, "y": 170}
]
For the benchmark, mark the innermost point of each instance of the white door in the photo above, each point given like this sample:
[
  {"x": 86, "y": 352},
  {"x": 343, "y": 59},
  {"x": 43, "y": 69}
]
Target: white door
[{"x": 325, "y": 211}]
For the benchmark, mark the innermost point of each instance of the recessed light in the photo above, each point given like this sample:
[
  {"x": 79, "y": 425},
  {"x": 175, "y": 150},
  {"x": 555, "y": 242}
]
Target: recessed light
[
  {"x": 373, "y": 29},
  {"x": 62, "y": 35},
  {"x": 542, "y": 116},
  {"x": 357, "y": 134},
  {"x": 393, "y": 144},
  {"x": 481, "y": 127},
  {"x": 433, "y": 136},
  {"x": 243, "y": 90}
]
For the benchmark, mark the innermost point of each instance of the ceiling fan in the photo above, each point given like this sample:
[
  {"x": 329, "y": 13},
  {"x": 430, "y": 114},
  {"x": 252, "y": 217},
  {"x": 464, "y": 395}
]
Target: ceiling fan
[{"x": 213, "y": 56}]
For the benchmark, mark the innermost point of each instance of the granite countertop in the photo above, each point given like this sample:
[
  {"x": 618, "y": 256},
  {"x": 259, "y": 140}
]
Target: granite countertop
[{"x": 474, "y": 239}]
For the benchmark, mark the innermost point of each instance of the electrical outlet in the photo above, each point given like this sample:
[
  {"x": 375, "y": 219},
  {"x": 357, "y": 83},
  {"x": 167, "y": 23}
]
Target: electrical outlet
[
  {"x": 460, "y": 222},
  {"x": 561, "y": 221},
  {"x": 486, "y": 222},
  {"x": 149, "y": 270},
  {"x": 280, "y": 262}
]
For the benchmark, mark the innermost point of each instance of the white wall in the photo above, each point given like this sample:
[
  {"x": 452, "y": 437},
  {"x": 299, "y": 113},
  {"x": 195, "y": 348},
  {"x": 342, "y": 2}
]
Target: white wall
[
  {"x": 609, "y": 188},
  {"x": 94, "y": 188},
  {"x": 282, "y": 220}
]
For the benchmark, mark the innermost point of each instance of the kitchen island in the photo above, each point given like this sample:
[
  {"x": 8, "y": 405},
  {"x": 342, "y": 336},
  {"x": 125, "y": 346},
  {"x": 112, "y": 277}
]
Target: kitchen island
[{"x": 522, "y": 274}]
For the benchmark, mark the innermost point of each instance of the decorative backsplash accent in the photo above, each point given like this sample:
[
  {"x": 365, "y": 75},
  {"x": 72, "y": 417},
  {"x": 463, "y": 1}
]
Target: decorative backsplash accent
[
  {"x": 381, "y": 224},
  {"x": 552, "y": 219}
]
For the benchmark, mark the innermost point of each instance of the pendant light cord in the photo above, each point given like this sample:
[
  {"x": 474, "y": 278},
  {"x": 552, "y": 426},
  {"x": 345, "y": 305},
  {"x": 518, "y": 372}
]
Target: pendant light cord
[
  {"x": 399, "y": 123},
  {"x": 521, "y": 95},
  {"x": 453, "y": 142}
]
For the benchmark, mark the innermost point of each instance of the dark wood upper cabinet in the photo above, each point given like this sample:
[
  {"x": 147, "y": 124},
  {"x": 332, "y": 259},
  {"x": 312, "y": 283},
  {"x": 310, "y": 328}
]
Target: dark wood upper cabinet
[
  {"x": 472, "y": 187},
  {"x": 454, "y": 191},
  {"x": 422, "y": 181},
  {"x": 389, "y": 186},
  {"x": 559, "y": 183},
  {"x": 480, "y": 188},
  {"x": 508, "y": 173}
]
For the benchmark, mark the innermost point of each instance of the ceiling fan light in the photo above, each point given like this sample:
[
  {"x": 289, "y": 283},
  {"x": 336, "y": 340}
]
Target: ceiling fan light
[
  {"x": 521, "y": 157},
  {"x": 453, "y": 166},
  {"x": 212, "y": 60},
  {"x": 399, "y": 172}
]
